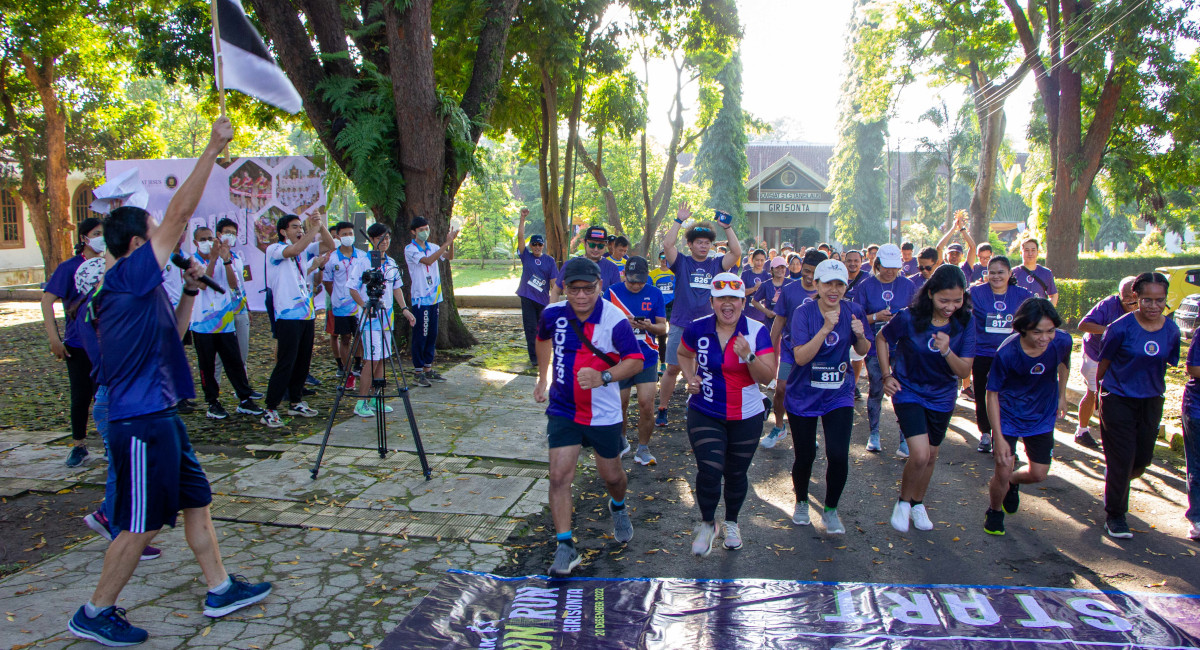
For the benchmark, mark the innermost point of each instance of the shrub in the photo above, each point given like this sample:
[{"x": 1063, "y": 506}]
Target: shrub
[
  {"x": 1115, "y": 267},
  {"x": 1077, "y": 297}
]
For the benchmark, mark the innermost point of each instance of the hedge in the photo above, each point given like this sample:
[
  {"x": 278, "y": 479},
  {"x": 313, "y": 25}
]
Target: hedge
[
  {"x": 1077, "y": 297},
  {"x": 1116, "y": 267}
]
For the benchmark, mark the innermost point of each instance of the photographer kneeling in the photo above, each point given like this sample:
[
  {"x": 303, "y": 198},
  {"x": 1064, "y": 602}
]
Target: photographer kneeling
[{"x": 382, "y": 285}]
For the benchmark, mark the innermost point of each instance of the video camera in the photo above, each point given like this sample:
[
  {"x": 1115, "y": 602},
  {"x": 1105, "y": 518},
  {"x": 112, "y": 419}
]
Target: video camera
[{"x": 373, "y": 278}]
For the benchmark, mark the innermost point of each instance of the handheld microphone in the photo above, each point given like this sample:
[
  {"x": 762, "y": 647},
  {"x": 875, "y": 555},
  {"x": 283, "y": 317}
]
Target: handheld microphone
[{"x": 183, "y": 263}]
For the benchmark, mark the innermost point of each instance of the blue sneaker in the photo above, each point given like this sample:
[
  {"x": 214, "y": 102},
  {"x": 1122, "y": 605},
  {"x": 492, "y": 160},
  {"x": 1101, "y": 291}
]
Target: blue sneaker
[
  {"x": 902, "y": 450},
  {"x": 75, "y": 458},
  {"x": 240, "y": 594},
  {"x": 660, "y": 420},
  {"x": 108, "y": 628},
  {"x": 777, "y": 434}
]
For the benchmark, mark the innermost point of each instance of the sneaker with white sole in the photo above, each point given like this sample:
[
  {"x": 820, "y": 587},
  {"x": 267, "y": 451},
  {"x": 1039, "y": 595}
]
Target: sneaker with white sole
[
  {"x": 216, "y": 412},
  {"x": 622, "y": 525},
  {"x": 271, "y": 419},
  {"x": 800, "y": 516},
  {"x": 420, "y": 379},
  {"x": 644, "y": 457},
  {"x": 363, "y": 411},
  {"x": 434, "y": 375},
  {"x": 1117, "y": 527},
  {"x": 873, "y": 443},
  {"x": 248, "y": 407},
  {"x": 706, "y": 534},
  {"x": 75, "y": 458},
  {"x": 239, "y": 594},
  {"x": 566, "y": 558},
  {"x": 1194, "y": 531},
  {"x": 833, "y": 523},
  {"x": 733, "y": 536},
  {"x": 109, "y": 627},
  {"x": 99, "y": 523},
  {"x": 302, "y": 409},
  {"x": 771, "y": 439},
  {"x": 985, "y": 444},
  {"x": 902, "y": 450},
  {"x": 900, "y": 515},
  {"x": 920, "y": 517}
]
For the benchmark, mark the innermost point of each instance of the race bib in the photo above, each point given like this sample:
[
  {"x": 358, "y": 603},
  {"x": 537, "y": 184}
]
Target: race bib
[
  {"x": 998, "y": 324},
  {"x": 700, "y": 279},
  {"x": 537, "y": 282},
  {"x": 827, "y": 376}
]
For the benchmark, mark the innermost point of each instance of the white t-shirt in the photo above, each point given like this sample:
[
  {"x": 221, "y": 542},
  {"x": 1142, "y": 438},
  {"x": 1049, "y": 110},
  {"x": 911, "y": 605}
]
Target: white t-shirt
[
  {"x": 426, "y": 278},
  {"x": 173, "y": 282},
  {"x": 212, "y": 312},
  {"x": 392, "y": 280},
  {"x": 338, "y": 270},
  {"x": 290, "y": 293},
  {"x": 239, "y": 291}
]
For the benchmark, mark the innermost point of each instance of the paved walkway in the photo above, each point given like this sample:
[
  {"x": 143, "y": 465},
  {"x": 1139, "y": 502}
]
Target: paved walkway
[{"x": 349, "y": 553}]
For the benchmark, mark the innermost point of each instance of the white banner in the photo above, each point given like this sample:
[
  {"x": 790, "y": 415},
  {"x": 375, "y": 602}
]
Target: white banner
[{"x": 254, "y": 192}]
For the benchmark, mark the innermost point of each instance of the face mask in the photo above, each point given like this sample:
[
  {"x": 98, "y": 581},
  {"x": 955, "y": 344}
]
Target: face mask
[
  {"x": 229, "y": 239},
  {"x": 423, "y": 235},
  {"x": 96, "y": 244},
  {"x": 347, "y": 241},
  {"x": 204, "y": 247}
]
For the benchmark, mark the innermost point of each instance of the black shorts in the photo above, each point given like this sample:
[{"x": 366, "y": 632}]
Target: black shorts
[
  {"x": 916, "y": 420},
  {"x": 605, "y": 439},
  {"x": 341, "y": 325},
  {"x": 1039, "y": 447},
  {"x": 157, "y": 472}
]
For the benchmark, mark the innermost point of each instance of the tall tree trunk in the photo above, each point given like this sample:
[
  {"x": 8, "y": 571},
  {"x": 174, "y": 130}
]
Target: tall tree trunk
[
  {"x": 989, "y": 113},
  {"x": 557, "y": 228},
  {"x": 59, "y": 228},
  {"x": 597, "y": 172}
]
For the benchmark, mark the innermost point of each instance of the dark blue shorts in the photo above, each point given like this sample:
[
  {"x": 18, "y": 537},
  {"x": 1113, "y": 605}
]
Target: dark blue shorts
[
  {"x": 647, "y": 375},
  {"x": 604, "y": 439},
  {"x": 157, "y": 472}
]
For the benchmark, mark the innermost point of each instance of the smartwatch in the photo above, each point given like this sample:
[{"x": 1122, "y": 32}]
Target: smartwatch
[{"x": 606, "y": 377}]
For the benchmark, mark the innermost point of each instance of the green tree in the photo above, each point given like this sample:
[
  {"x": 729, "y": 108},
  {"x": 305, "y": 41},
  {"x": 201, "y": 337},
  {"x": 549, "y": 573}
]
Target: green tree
[{"x": 721, "y": 160}]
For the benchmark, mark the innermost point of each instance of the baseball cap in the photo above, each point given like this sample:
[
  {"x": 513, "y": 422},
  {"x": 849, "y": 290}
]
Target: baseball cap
[
  {"x": 597, "y": 233},
  {"x": 831, "y": 270},
  {"x": 580, "y": 268},
  {"x": 739, "y": 292},
  {"x": 954, "y": 248},
  {"x": 637, "y": 269},
  {"x": 889, "y": 256},
  {"x": 537, "y": 239},
  {"x": 778, "y": 261},
  {"x": 787, "y": 244}
]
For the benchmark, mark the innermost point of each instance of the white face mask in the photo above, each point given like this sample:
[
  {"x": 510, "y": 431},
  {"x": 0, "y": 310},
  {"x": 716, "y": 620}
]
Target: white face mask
[
  {"x": 347, "y": 241},
  {"x": 96, "y": 244},
  {"x": 204, "y": 247},
  {"x": 229, "y": 239}
]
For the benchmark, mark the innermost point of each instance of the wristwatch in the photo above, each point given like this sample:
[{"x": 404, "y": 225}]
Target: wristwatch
[
  {"x": 750, "y": 358},
  {"x": 606, "y": 377}
]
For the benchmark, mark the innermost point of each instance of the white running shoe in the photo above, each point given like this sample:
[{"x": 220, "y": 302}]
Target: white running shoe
[
  {"x": 1194, "y": 531},
  {"x": 900, "y": 515},
  {"x": 902, "y": 450},
  {"x": 706, "y": 534},
  {"x": 833, "y": 523},
  {"x": 800, "y": 517},
  {"x": 733, "y": 536},
  {"x": 920, "y": 518},
  {"x": 302, "y": 409},
  {"x": 769, "y": 440}
]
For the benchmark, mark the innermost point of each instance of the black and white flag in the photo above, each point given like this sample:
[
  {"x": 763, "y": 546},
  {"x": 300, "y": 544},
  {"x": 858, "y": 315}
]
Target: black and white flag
[{"x": 248, "y": 65}]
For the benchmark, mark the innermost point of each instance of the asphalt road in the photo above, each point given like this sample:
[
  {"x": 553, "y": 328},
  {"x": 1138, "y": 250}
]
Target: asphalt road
[{"x": 1055, "y": 540}]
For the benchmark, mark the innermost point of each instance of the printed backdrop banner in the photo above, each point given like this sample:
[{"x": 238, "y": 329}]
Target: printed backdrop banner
[
  {"x": 254, "y": 192},
  {"x": 477, "y": 610}
]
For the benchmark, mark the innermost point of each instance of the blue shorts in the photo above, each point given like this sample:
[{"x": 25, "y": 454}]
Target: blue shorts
[
  {"x": 604, "y": 439},
  {"x": 647, "y": 375},
  {"x": 157, "y": 472},
  {"x": 674, "y": 336}
]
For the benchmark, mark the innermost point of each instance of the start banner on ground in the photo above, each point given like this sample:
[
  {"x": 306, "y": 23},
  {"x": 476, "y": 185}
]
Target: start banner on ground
[
  {"x": 254, "y": 192},
  {"x": 477, "y": 610}
]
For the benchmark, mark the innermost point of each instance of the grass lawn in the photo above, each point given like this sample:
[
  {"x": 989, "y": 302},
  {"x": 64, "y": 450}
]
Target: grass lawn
[{"x": 471, "y": 275}]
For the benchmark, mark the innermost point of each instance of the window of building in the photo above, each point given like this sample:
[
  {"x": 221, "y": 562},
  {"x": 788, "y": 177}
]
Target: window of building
[
  {"x": 81, "y": 203},
  {"x": 12, "y": 231}
]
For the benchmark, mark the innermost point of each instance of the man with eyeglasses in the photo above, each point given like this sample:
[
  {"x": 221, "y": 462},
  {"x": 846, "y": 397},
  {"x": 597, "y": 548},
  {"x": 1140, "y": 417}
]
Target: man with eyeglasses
[
  {"x": 927, "y": 261},
  {"x": 694, "y": 274},
  {"x": 593, "y": 348},
  {"x": 595, "y": 244},
  {"x": 1093, "y": 326}
]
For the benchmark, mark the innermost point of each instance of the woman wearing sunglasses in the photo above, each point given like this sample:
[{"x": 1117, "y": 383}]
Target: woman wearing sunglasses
[
  {"x": 994, "y": 305},
  {"x": 935, "y": 347},
  {"x": 820, "y": 387},
  {"x": 723, "y": 358},
  {"x": 1133, "y": 365}
]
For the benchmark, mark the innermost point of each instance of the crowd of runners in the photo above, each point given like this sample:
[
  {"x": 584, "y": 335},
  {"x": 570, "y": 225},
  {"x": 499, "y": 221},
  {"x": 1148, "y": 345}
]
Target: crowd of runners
[{"x": 791, "y": 334}]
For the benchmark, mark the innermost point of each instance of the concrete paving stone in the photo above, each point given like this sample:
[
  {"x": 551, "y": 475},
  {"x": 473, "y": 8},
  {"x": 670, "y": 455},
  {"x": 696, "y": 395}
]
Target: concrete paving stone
[
  {"x": 22, "y": 436},
  {"x": 322, "y": 521},
  {"x": 280, "y": 479},
  {"x": 420, "y": 529},
  {"x": 479, "y": 494},
  {"x": 5, "y": 446},
  {"x": 40, "y": 461},
  {"x": 506, "y": 433}
]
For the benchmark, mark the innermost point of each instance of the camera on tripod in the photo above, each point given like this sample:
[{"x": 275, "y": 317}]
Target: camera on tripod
[{"x": 373, "y": 278}]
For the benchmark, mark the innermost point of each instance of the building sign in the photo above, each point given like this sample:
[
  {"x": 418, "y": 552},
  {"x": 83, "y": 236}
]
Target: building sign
[
  {"x": 792, "y": 196},
  {"x": 796, "y": 207},
  {"x": 477, "y": 610}
]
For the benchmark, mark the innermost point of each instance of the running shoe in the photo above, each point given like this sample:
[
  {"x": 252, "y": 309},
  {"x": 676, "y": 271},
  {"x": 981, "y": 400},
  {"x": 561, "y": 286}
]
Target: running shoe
[
  {"x": 363, "y": 411},
  {"x": 771, "y": 439},
  {"x": 566, "y": 558},
  {"x": 622, "y": 526},
  {"x": 109, "y": 627},
  {"x": 662, "y": 367},
  {"x": 271, "y": 419},
  {"x": 256, "y": 395},
  {"x": 660, "y": 419},
  {"x": 99, "y": 523},
  {"x": 302, "y": 409},
  {"x": 1194, "y": 531},
  {"x": 968, "y": 394},
  {"x": 351, "y": 382},
  {"x": 920, "y": 518},
  {"x": 151, "y": 553},
  {"x": 873, "y": 442},
  {"x": 902, "y": 450},
  {"x": 1116, "y": 527},
  {"x": 833, "y": 523},
  {"x": 985, "y": 444},
  {"x": 800, "y": 516},
  {"x": 857, "y": 394},
  {"x": 216, "y": 412},
  {"x": 901, "y": 513},
  {"x": 420, "y": 379},
  {"x": 248, "y": 407},
  {"x": 239, "y": 594},
  {"x": 185, "y": 406},
  {"x": 1084, "y": 438},
  {"x": 733, "y": 536},
  {"x": 312, "y": 381},
  {"x": 75, "y": 458},
  {"x": 626, "y": 448},
  {"x": 1012, "y": 499},
  {"x": 706, "y": 534},
  {"x": 434, "y": 375},
  {"x": 644, "y": 457},
  {"x": 993, "y": 522},
  {"x": 308, "y": 392},
  {"x": 386, "y": 408}
]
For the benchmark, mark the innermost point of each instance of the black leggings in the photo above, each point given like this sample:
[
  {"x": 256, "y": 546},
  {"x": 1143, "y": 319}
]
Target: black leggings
[
  {"x": 79, "y": 374},
  {"x": 293, "y": 356},
  {"x": 531, "y": 313},
  {"x": 838, "y": 425},
  {"x": 723, "y": 449},
  {"x": 979, "y": 378}
]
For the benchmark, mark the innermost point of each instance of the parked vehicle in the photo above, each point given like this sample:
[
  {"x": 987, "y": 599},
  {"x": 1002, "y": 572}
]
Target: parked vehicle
[
  {"x": 1187, "y": 314},
  {"x": 1185, "y": 280}
]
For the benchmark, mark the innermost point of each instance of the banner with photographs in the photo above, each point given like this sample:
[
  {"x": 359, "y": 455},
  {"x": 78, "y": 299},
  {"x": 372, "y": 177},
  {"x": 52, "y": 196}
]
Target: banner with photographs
[
  {"x": 477, "y": 610},
  {"x": 254, "y": 192}
]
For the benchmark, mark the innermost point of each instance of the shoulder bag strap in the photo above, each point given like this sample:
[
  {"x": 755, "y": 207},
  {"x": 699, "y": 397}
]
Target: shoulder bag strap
[{"x": 588, "y": 342}]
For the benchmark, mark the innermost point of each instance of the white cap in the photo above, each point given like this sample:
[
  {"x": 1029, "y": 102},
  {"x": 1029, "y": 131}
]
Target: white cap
[
  {"x": 727, "y": 291},
  {"x": 831, "y": 270},
  {"x": 889, "y": 257}
]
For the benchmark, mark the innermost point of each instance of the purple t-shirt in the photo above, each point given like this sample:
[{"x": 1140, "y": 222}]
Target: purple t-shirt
[
  {"x": 62, "y": 284},
  {"x": 1030, "y": 283},
  {"x": 1137, "y": 358},
  {"x": 823, "y": 384},
  {"x": 536, "y": 275},
  {"x": 793, "y": 295},
  {"x": 693, "y": 286},
  {"x": 1103, "y": 313},
  {"x": 978, "y": 272},
  {"x": 918, "y": 281},
  {"x": 875, "y": 296},
  {"x": 924, "y": 375},
  {"x": 909, "y": 267},
  {"x": 751, "y": 278},
  {"x": 994, "y": 316},
  {"x": 1191, "y": 392},
  {"x": 1028, "y": 386}
]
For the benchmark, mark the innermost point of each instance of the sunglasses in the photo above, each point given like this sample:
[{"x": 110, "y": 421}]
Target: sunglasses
[
  {"x": 727, "y": 284},
  {"x": 593, "y": 244},
  {"x": 925, "y": 268}
]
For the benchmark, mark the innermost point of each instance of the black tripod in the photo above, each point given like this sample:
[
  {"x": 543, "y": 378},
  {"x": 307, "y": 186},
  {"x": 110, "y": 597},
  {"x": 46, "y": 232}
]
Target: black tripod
[{"x": 375, "y": 314}]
